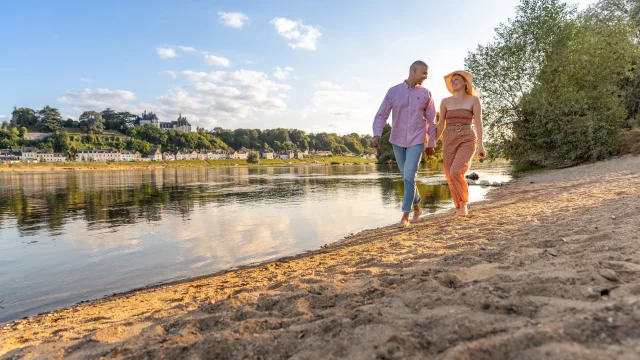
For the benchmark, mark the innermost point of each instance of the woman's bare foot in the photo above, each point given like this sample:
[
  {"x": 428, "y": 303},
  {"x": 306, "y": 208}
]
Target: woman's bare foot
[
  {"x": 463, "y": 210},
  {"x": 416, "y": 213}
]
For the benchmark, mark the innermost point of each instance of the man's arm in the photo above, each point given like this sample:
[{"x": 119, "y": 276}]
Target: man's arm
[{"x": 430, "y": 116}]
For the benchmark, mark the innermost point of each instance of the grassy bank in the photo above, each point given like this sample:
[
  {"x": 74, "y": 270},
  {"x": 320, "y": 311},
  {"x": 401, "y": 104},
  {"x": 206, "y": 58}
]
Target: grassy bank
[{"x": 330, "y": 160}]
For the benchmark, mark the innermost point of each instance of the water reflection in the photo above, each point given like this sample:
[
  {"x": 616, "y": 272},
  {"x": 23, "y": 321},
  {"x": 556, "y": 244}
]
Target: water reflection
[{"x": 69, "y": 236}]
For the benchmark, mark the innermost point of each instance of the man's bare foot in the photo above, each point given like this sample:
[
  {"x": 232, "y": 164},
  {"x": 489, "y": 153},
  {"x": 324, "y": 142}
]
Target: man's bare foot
[
  {"x": 404, "y": 222},
  {"x": 416, "y": 213}
]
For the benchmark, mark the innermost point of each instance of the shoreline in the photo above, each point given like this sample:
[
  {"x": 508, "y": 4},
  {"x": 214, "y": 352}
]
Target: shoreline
[
  {"x": 73, "y": 166},
  {"x": 523, "y": 275}
]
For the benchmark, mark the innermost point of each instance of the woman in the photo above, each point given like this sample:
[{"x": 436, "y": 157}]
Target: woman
[{"x": 459, "y": 115}]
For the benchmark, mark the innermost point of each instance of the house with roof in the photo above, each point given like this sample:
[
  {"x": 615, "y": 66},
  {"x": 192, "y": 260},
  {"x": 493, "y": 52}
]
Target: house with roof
[
  {"x": 155, "y": 155},
  {"x": 29, "y": 154},
  {"x": 168, "y": 156},
  {"x": 88, "y": 155},
  {"x": 130, "y": 155}
]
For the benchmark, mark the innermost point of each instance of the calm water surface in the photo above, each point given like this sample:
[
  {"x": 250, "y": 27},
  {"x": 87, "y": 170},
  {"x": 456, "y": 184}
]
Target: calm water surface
[{"x": 72, "y": 236}]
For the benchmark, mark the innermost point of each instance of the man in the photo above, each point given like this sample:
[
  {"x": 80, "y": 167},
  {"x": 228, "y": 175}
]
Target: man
[{"x": 412, "y": 123}]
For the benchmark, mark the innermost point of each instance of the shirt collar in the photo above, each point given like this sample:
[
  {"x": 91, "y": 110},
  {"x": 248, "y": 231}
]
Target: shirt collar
[{"x": 411, "y": 87}]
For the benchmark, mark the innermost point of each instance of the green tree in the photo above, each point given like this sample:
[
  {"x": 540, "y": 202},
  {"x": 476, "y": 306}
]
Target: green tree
[
  {"x": 573, "y": 113},
  {"x": 150, "y": 134},
  {"x": 49, "y": 119},
  {"x": 507, "y": 68},
  {"x": 92, "y": 122},
  {"x": 24, "y": 117},
  {"x": 140, "y": 145},
  {"x": 253, "y": 158},
  {"x": 61, "y": 142},
  {"x": 385, "y": 152}
]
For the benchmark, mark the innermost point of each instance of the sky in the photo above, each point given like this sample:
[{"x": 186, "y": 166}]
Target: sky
[{"x": 314, "y": 65}]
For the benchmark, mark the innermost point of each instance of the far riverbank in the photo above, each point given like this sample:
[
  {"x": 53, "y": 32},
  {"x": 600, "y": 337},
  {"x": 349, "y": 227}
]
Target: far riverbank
[{"x": 72, "y": 166}]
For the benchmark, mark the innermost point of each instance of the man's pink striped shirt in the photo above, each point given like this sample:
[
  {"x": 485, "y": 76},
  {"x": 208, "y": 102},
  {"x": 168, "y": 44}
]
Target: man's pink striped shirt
[{"x": 413, "y": 116}]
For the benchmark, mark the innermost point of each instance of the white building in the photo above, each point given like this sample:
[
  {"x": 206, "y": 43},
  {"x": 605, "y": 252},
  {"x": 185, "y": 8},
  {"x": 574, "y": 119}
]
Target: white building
[
  {"x": 130, "y": 155},
  {"x": 267, "y": 155},
  {"x": 88, "y": 155},
  {"x": 29, "y": 154},
  {"x": 167, "y": 156},
  {"x": 201, "y": 155},
  {"x": 155, "y": 155},
  {"x": 321, "y": 153}
]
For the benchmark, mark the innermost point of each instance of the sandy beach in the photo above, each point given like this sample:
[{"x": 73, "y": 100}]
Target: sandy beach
[{"x": 547, "y": 268}]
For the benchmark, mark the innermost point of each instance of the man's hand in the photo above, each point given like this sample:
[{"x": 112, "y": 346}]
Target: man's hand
[
  {"x": 429, "y": 151},
  {"x": 376, "y": 142}
]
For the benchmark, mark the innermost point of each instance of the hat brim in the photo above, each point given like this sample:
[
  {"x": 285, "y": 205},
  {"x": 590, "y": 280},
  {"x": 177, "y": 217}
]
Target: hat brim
[{"x": 466, "y": 75}]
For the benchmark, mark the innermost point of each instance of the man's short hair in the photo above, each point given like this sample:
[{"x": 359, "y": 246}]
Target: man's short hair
[{"x": 418, "y": 63}]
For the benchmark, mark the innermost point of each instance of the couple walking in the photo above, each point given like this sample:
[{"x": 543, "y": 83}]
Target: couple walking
[{"x": 413, "y": 125}]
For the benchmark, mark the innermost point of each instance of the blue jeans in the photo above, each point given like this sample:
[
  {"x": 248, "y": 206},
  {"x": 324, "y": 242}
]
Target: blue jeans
[{"x": 408, "y": 160}]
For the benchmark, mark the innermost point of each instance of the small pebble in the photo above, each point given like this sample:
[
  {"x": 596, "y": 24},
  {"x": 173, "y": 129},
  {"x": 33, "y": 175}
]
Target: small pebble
[
  {"x": 613, "y": 217},
  {"x": 486, "y": 306}
]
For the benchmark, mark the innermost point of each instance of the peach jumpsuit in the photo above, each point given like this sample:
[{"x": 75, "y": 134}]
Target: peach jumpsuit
[{"x": 458, "y": 145}]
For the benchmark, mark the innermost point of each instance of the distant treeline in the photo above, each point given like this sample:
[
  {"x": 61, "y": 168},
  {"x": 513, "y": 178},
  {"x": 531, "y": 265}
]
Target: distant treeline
[{"x": 92, "y": 126}]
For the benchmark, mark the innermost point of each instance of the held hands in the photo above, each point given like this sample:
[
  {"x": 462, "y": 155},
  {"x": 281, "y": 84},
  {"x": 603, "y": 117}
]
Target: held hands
[
  {"x": 429, "y": 151},
  {"x": 376, "y": 142}
]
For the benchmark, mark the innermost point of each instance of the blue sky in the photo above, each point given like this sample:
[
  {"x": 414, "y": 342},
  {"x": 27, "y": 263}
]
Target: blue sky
[{"x": 317, "y": 65}]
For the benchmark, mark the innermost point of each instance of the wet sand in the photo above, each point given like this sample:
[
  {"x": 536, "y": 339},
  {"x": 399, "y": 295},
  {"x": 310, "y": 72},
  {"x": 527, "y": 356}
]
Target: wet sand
[{"x": 547, "y": 268}]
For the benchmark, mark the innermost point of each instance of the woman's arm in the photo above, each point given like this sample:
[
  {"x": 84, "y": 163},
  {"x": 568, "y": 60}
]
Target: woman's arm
[
  {"x": 477, "y": 121},
  {"x": 441, "y": 122}
]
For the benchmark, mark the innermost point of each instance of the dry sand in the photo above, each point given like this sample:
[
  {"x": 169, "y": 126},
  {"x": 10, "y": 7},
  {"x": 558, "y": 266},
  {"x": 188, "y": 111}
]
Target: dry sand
[{"x": 548, "y": 268}]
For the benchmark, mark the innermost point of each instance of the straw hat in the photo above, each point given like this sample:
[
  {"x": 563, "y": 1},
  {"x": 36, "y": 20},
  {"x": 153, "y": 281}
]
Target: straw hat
[{"x": 467, "y": 76}]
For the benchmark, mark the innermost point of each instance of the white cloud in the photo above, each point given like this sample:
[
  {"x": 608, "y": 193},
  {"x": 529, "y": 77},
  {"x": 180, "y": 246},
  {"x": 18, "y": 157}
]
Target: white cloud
[
  {"x": 217, "y": 60},
  {"x": 165, "y": 53},
  {"x": 98, "y": 98},
  {"x": 282, "y": 73},
  {"x": 83, "y": 79},
  {"x": 195, "y": 75},
  {"x": 302, "y": 36},
  {"x": 187, "y": 49},
  {"x": 338, "y": 96},
  {"x": 222, "y": 96},
  {"x": 233, "y": 19},
  {"x": 249, "y": 62},
  {"x": 171, "y": 73},
  {"x": 327, "y": 85},
  {"x": 284, "y": 96}
]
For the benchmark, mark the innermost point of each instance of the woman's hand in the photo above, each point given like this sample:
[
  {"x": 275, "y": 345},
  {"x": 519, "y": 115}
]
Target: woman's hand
[{"x": 481, "y": 152}]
